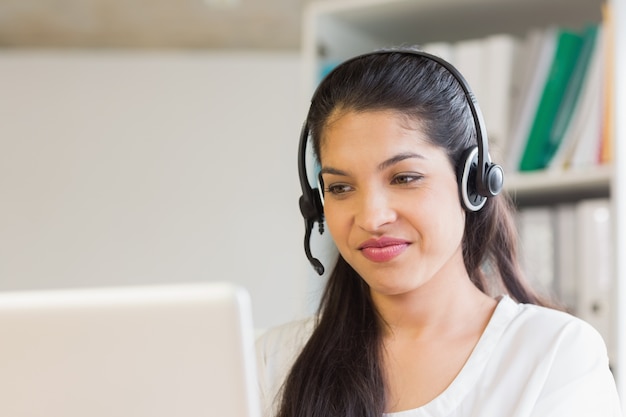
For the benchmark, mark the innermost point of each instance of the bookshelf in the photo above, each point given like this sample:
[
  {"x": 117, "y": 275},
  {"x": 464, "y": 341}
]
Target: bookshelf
[
  {"x": 334, "y": 30},
  {"x": 540, "y": 188}
]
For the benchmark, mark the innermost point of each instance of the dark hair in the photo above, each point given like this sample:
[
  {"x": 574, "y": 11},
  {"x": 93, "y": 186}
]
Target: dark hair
[{"x": 338, "y": 373}]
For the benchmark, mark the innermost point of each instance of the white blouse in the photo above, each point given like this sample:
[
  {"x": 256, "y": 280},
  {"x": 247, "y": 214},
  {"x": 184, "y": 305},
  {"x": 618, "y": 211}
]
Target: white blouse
[{"x": 530, "y": 361}]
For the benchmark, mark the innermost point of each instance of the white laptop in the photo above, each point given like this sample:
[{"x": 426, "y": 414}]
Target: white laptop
[{"x": 168, "y": 350}]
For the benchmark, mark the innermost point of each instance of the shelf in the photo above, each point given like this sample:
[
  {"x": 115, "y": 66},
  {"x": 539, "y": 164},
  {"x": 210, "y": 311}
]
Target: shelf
[
  {"x": 336, "y": 30},
  {"x": 381, "y": 23},
  {"x": 547, "y": 187}
]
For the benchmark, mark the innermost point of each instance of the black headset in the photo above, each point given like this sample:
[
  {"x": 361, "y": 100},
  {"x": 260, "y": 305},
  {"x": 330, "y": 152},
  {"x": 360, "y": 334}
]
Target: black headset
[{"x": 478, "y": 177}]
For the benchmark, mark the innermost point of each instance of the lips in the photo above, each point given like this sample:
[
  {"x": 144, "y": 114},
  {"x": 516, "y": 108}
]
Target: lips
[{"x": 384, "y": 249}]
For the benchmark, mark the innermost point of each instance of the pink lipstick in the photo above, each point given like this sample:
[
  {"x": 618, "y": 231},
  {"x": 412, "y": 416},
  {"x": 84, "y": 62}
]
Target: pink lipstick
[{"x": 384, "y": 249}]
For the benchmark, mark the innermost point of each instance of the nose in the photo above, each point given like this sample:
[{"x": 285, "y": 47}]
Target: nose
[{"x": 375, "y": 210}]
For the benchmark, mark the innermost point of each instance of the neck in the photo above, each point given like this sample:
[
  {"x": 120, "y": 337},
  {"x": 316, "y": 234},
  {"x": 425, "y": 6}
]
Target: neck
[{"x": 447, "y": 304}]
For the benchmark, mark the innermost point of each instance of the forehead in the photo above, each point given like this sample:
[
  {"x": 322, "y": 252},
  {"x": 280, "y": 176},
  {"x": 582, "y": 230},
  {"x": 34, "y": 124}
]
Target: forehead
[{"x": 353, "y": 131}]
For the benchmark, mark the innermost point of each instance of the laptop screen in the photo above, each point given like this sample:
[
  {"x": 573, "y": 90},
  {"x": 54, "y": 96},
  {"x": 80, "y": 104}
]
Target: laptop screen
[{"x": 165, "y": 350}]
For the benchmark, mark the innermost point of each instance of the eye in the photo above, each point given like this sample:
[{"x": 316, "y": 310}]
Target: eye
[
  {"x": 338, "y": 189},
  {"x": 406, "y": 179}
]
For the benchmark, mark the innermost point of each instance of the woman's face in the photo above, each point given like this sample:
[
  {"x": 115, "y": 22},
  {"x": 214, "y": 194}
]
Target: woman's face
[{"x": 390, "y": 201}]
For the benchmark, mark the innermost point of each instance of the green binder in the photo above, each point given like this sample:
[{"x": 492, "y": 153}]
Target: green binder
[{"x": 538, "y": 149}]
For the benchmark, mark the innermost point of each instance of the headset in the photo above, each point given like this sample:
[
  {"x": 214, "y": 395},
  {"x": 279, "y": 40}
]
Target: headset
[{"x": 477, "y": 176}]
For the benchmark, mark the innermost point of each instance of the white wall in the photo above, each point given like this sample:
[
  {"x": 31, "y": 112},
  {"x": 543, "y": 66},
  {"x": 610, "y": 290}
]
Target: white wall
[{"x": 121, "y": 168}]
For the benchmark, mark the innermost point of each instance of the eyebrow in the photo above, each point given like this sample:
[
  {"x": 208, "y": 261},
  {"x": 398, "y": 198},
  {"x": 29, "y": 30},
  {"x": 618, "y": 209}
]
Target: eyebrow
[
  {"x": 382, "y": 166},
  {"x": 398, "y": 158}
]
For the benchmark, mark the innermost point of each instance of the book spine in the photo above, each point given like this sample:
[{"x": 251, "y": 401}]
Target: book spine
[{"x": 568, "y": 48}]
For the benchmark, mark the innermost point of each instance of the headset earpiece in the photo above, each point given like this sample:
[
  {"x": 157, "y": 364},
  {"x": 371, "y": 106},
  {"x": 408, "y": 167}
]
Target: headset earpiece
[
  {"x": 474, "y": 188},
  {"x": 493, "y": 179},
  {"x": 311, "y": 207},
  {"x": 471, "y": 199}
]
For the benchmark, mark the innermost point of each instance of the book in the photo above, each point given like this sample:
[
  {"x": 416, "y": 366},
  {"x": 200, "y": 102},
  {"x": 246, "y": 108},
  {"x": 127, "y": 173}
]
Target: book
[
  {"x": 531, "y": 72},
  {"x": 607, "y": 136},
  {"x": 586, "y": 129},
  {"x": 572, "y": 93},
  {"x": 568, "y": 47},
  {"x": 567, "y": 252},
  {"x": 538, "y": 246},
  {"x": 566, "y": 268},
  {"x": 469, "y": 58},
  {"x": 500, "y": 54},
  {"x": 595, "y": 261}
]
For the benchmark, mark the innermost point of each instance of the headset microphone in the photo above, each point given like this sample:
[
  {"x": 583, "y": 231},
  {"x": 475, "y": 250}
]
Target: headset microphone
[{"x": 311, "y": 205}]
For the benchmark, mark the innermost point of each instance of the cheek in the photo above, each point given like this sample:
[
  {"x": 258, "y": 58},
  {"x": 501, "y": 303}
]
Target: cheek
[
  {"x": 455, "y": 224},
  {"x": 338, "y": 225},
  {"x": 333, "y": 220},
  {"x": 444, "y": 216}
]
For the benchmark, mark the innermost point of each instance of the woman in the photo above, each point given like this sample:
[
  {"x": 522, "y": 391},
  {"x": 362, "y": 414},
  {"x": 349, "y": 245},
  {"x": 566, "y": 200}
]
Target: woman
[{"x": 426, "y": 312}]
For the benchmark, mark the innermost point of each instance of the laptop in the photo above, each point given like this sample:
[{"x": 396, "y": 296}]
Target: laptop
[{"x": 164, "y": 350}]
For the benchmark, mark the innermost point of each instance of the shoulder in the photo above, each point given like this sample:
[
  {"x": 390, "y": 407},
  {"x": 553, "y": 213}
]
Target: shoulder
[
  {"x": 285, "y": 339},
  {"x": 556, "y": 328},
  {"x": 277, "y": 349},
  {"x": 551, "y": 360},
  {"x": 541, "y": 337},
  {"x": 563, "y": 346},
  {"x": 571, "y": 363},
  {"x": 540, "y": 340}
]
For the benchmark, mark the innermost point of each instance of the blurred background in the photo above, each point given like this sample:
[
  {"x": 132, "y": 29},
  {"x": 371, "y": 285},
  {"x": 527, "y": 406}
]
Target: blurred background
[
  {"x": 264, "y": 25},
  {"x": 151, "y": 142},
  {"x": 146, "y": 142},
  {"x": 155, "y": 141}
]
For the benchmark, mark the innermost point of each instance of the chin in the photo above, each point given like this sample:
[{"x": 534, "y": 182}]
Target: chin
[{"x": 389, "y": 285}]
